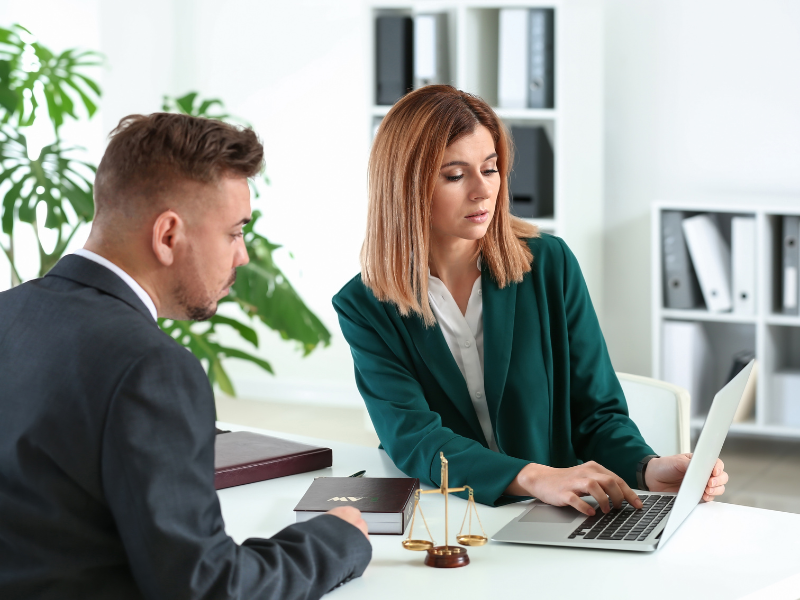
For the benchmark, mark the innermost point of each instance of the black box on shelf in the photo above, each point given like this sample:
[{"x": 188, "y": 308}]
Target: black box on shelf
[
  {"x": 394, "y": 60},
  {"x": 530, "y": 184}
]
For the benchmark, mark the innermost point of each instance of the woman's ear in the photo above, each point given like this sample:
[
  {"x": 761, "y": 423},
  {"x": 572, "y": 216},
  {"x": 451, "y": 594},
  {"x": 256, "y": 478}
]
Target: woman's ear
[{"x": 169, "y": 230}]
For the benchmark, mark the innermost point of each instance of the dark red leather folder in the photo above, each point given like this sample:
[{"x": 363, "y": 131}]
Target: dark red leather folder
[{"x": 243, "y": 457}]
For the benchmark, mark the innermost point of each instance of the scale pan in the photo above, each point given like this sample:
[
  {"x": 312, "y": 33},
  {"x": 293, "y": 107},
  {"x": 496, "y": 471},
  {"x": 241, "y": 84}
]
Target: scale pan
[
  {"x": 417, "y": 545},
  {"x": 471, "y": 540}
]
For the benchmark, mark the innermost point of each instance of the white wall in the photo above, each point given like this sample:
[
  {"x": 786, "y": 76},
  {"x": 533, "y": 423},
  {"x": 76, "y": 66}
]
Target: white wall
[
  {"x": 702, "y": 97},
  {"x": 296, "y": 70}
]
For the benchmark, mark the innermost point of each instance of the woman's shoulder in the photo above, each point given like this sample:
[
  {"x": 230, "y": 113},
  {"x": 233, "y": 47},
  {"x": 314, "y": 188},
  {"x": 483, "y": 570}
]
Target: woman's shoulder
[
  {"x": 353, "y": 291},
  {"x": 356, "y": 298},
  {"x": 550, "y": 251}
]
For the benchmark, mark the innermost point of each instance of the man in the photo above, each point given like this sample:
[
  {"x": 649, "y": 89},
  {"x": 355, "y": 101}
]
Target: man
[{"x": 107, "y": 425}]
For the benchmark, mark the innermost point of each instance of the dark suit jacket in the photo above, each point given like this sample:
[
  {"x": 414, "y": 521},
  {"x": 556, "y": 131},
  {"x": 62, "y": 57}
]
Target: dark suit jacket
[
  {"x": 552, "y": 393},
  {"x": 107, "y": 461}
]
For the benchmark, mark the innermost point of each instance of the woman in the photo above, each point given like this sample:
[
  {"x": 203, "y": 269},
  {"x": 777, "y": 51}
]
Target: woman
[{"x": 473, "y": 334}]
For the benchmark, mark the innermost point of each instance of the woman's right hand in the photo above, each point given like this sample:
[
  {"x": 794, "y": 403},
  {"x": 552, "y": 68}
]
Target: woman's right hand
[{"x": 564, "y": 487}]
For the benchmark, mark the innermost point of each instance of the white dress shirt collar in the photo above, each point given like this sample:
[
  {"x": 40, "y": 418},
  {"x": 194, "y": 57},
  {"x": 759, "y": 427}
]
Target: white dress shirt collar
[{"x": 137, "y": 289}]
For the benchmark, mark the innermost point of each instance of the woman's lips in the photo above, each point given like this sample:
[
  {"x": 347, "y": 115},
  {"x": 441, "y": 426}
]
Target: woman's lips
[{"x": 478, "y": 217}]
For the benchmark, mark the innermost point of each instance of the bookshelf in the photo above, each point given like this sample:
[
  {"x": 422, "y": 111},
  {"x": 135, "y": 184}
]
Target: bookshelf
[
  {"x": 574, "y": 126},
  {"x": 775, "y": 337}
]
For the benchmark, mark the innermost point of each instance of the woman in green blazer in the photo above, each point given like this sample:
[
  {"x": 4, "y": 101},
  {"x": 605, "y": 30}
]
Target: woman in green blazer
[{"x": 472, "y": 334}]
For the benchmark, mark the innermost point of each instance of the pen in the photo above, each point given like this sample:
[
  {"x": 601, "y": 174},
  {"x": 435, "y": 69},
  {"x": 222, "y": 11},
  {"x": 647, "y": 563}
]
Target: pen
[{"x": 358, "y": 474}]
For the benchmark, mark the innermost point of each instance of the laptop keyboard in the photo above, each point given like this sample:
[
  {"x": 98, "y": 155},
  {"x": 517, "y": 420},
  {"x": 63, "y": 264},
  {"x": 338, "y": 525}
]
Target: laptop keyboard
[{"x": 626, "y": 523}]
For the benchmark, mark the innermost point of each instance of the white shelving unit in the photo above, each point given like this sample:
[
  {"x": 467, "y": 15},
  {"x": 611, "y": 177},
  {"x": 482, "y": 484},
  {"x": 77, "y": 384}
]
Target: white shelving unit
[
  {"x": 774, "y": 336},
  {"x": 574, "y": 126}
]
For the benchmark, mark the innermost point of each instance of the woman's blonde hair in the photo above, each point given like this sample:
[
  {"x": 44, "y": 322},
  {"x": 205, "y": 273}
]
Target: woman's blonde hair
[{"x": 403, "y": 169}]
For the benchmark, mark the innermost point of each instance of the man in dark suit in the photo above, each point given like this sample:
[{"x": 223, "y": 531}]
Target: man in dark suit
[{"x": 107, "y": 424}]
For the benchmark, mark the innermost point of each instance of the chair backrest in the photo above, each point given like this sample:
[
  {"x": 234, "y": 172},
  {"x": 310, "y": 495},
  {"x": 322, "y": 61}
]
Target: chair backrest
[{"x": 660, "y": 411}]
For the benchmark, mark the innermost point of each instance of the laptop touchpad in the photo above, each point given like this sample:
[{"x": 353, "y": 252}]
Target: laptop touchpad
[{"x": 551, "y": 514}]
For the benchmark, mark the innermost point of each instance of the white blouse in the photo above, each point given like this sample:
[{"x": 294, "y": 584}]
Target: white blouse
[{"x": 464, "y": 337}]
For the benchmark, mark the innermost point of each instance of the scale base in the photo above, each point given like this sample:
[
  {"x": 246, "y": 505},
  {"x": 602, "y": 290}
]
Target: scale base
[{"x": 446, "y": 557}]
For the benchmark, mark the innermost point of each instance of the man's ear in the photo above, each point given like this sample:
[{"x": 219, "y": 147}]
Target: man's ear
[{"x": 169, "y": 230}]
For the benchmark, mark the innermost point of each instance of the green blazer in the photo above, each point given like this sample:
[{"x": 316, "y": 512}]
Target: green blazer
[{"x": 552, "y": 393}]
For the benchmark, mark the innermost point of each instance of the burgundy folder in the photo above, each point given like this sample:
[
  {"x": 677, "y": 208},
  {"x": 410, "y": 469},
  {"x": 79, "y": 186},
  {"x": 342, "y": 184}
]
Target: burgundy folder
[{"x": 243, "y": 457}]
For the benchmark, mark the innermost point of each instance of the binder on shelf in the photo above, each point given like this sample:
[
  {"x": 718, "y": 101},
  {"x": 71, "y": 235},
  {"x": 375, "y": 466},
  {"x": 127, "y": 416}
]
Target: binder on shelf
[
  {"x": 686, "y": 361},
  {"x": 681, "y": 289},
  {"x": 711, "y": 258},
  {"x": 541, "y": 83},
  {"x": 743, "y": 264},
  {"x": 791, "y": 263},
  {"x": 430, "y": 50},
  {"x": 786, "y": 397},
  {"x": 513, "y": 54},
  {"x": 394, "y": 60},
  {"x": 531, "y": 181},
  {"x": 747, "y": 408}
]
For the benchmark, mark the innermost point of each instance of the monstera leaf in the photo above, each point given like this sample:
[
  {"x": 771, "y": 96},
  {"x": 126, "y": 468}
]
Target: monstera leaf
[
  {"x": 262, "y": 290},
  {"x": 26, "y": 64},
  {"x": 200, "y": 338},
  {"x": 29, "y": 72},
  {"x": 54, "y": 179}
]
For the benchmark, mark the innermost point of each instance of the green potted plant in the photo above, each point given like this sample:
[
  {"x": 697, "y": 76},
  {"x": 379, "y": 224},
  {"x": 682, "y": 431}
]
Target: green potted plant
[{"x": 53, "y": 191}]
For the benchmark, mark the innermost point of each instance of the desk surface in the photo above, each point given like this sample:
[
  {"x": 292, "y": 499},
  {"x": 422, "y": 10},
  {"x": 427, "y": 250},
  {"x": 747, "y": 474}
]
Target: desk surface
[{"x": 721, "y": 550}]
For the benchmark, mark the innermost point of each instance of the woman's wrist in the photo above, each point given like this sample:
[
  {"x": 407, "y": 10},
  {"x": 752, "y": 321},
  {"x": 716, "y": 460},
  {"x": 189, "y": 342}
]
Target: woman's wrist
[
  {"x": 649, "y": 474},
  {"x": 523, "y": 484}
]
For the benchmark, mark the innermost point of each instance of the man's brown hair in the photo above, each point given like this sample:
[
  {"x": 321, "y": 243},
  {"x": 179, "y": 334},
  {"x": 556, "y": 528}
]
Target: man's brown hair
[{"x": 150, "y": 155}]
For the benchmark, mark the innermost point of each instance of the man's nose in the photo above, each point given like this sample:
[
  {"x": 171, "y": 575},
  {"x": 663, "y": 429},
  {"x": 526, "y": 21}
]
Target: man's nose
[{"x": 242, "y": 258}]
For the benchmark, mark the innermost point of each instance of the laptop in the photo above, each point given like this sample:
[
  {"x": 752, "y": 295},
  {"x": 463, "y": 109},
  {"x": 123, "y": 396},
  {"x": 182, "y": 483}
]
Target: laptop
[{"x": 625, "y": 528}]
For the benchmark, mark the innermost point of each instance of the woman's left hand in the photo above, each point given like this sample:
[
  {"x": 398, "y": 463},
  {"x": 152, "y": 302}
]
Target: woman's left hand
[{"x": 665, "y": 474}]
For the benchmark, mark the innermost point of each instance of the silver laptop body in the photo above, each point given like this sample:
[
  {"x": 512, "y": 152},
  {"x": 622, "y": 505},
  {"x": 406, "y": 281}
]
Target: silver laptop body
[{"x": 566, "y": 526}]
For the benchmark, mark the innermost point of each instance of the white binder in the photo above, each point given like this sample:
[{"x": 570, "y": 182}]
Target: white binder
[
  {"x": 743, "y": 264},
  {"x": 513, "y": 51},
  {"x": 786, "y": 397},
  {"x": 686, "y": 361},
  {"x": 430, "y": 49},
  {"x": 712, "y": 261}
]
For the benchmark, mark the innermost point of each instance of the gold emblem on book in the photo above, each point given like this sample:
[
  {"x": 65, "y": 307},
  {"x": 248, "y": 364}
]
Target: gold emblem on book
[
  {"x": 446, "y": 556},
  {"x": 345, "y": 499}
]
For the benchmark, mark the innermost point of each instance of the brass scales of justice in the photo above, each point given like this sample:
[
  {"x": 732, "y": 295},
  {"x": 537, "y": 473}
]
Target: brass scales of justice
[{"x": 446, "y": 556}]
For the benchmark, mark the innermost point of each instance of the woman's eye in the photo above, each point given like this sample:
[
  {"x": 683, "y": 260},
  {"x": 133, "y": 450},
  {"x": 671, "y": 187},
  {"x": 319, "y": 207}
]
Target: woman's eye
[
  {"x": 453, "y": 177},
  {"x": 490, "y": 171}
]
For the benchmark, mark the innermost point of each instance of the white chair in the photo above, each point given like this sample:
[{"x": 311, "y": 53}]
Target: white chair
[{"x": 660, "y": 411}]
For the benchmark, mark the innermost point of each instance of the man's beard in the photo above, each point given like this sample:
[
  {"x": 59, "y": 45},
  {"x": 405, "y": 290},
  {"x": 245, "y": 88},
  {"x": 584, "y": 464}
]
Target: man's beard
[{"x": 199, "y": 306}]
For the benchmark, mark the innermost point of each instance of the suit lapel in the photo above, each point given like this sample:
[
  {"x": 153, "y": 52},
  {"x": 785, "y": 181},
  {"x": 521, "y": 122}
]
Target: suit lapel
[
  {"x": 433, "y": 349},
  {"x": 498, "y": 334}
]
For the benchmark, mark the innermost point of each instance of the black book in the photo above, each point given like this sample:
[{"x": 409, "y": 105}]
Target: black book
[
  {"x": 385, "y": 503},
  {"x": 394, "y": 59},
  {"x": 531, "y": 181}
]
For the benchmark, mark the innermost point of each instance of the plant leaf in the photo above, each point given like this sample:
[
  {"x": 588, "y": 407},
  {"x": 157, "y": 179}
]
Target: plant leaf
[{"x": 248, "y": 333}]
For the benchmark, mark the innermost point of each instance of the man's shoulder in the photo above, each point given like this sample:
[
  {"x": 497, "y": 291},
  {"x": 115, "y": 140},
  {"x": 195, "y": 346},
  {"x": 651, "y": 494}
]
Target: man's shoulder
[{"x": 66, "y": 314}]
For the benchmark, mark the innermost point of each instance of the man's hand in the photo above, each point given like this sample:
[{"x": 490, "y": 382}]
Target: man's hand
[
  {"x": 564, "y": 487},
  {"x": 352, "y": 516},
  {"x": 665, "y": 474}
]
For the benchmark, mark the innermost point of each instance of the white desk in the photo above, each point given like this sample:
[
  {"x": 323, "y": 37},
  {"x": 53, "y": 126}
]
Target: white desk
[{"x": 721, "y": 551}]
